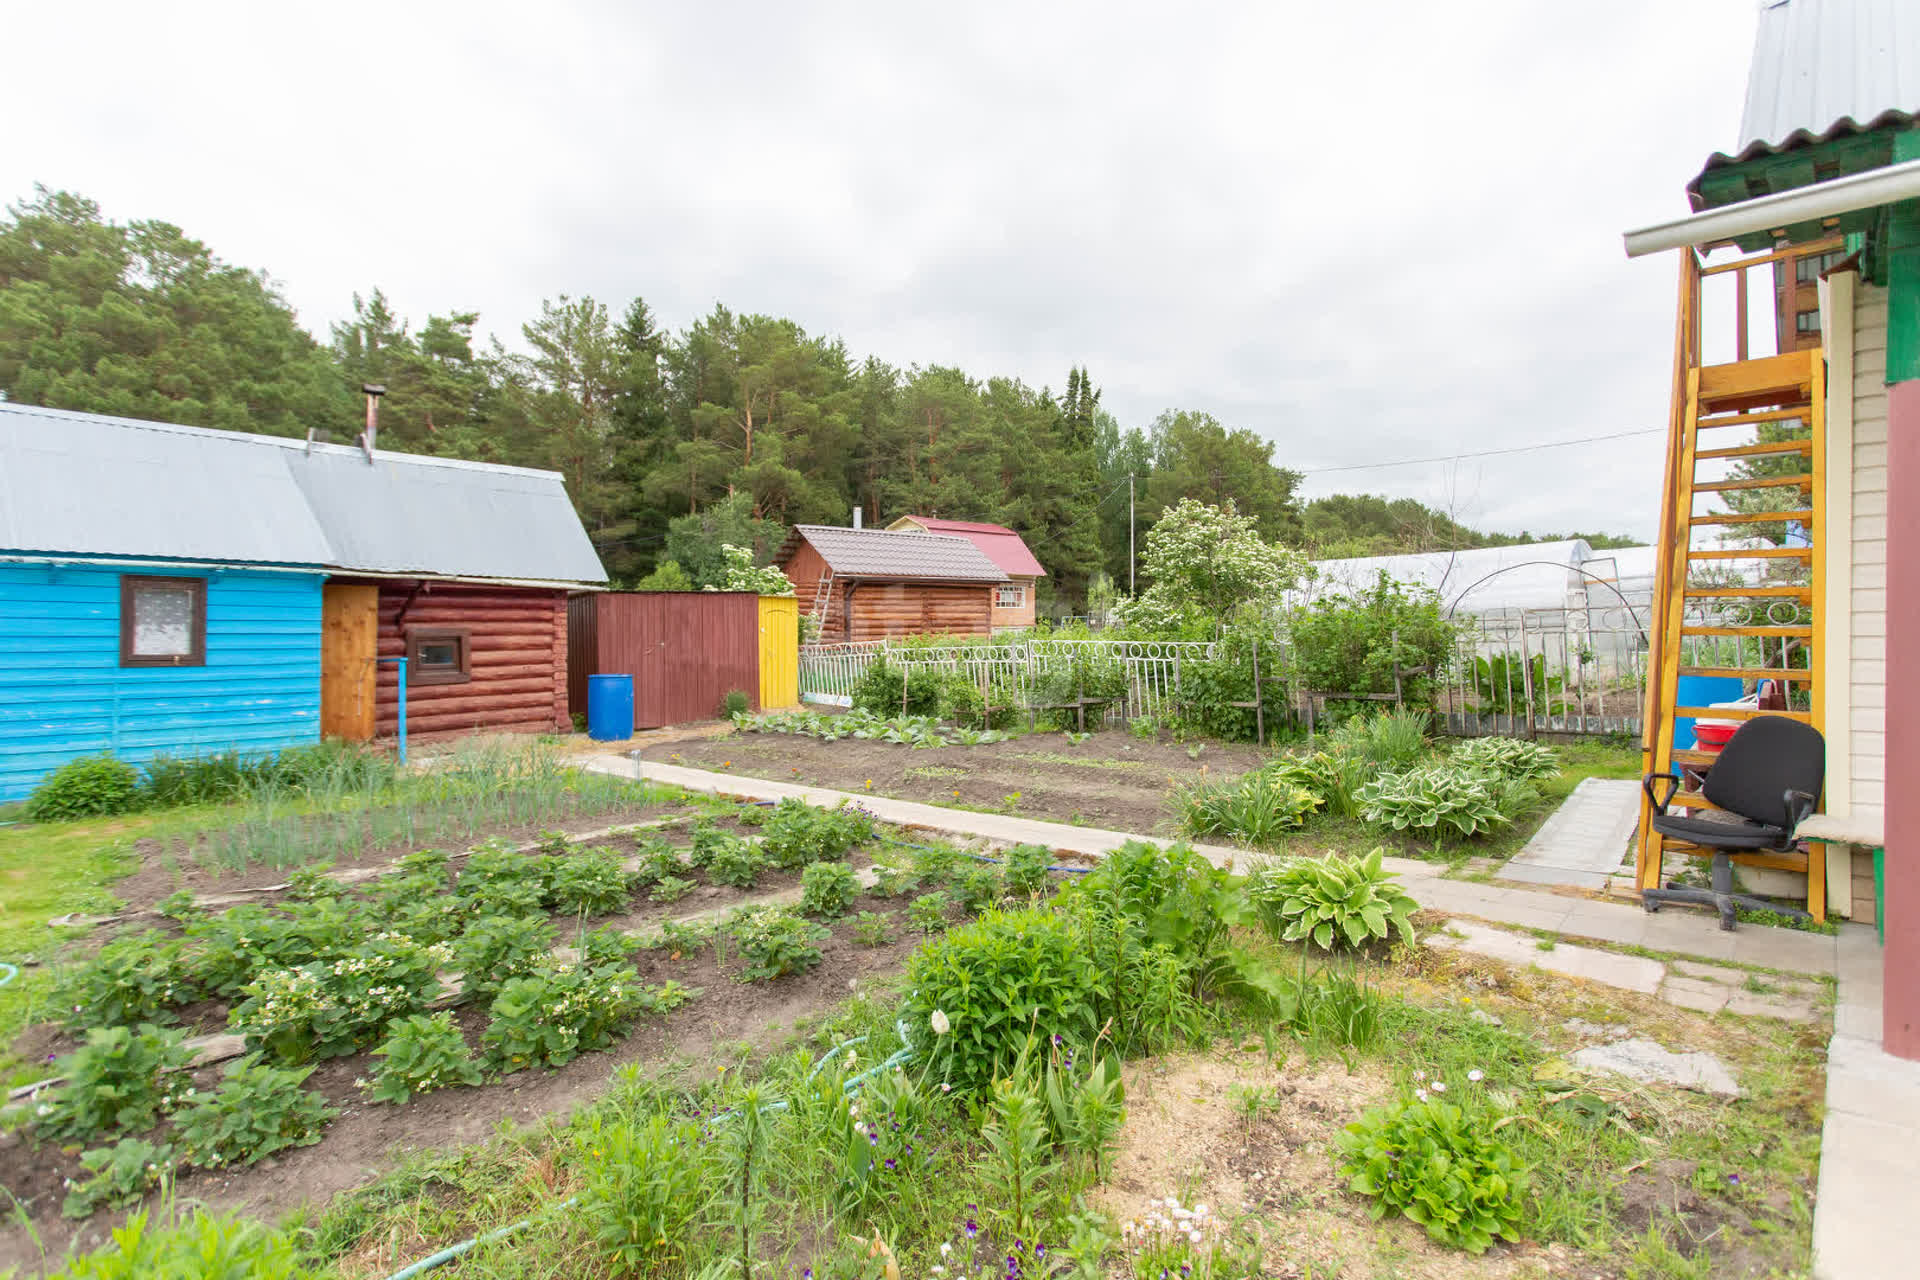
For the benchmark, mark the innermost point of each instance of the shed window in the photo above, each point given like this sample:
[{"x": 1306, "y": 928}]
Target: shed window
[
  {"x": 163, "y": 621},
  {"x": 1809, "y": 269},
  {"x": 1009, "y": 597},
  {"x": 1806, "y": 322},
  {"x": 438, "y": 656}
]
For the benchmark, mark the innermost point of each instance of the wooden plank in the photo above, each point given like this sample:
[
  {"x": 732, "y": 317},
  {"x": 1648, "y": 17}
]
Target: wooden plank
[
  {"x": 1742, "y": 593},
  {"x": 1803, "y": 515},
  {"x": 1758, "y": 449},
  {"x": 1790, "y": 374},
  {"x": 1790, "y": 675},
  {"x": 1775, "y": 633},
  {"x": 349, "y": 626},
  {"x": 1735, "y": 713},
  {"x": 1817, "y": 530},
  {"x": 1761, "y": 259},
  {"x": 1757, "y": 415},
  {"x": 1763, "y": 553},
  {"x": 1753, "y": 482}
]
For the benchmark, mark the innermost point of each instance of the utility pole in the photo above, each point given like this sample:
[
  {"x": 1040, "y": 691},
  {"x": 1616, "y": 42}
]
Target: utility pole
[{"x": 1129, "y": 533}]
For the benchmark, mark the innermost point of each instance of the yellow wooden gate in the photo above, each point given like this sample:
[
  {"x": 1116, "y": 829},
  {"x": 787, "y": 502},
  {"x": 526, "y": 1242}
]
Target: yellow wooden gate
[{"x": 779, "y": 652}]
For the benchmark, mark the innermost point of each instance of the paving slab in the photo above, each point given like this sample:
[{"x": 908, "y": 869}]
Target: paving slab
[
  {"x": 1692, "y": 993},
  {"x": 1654, "y": 1063},
  {"x": 1633, "y": 973},
  {"x": 1582, "y": 843},
  {"x": 1785, "y": 1008}
]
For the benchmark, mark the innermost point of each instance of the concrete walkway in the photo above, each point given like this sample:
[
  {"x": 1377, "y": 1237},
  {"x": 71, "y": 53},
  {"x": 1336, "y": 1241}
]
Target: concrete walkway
[
  {"x": 1585, "y": 839},
  {"x": 1676, "y": 930}
]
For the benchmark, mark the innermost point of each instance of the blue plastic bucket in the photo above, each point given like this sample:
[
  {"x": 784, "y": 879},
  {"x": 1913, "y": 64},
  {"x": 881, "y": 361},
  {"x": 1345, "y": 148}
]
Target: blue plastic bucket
[
  {"x": 609, "y": 708},
  {"x": 1702, "y": 691}
]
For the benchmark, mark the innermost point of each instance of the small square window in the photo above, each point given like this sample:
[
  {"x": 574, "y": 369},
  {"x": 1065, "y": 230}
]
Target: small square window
[
  {"x": 1009, "y": 597},
  {"x": 163, "y": 621},
  {"x": 1806, "y": 322},
  {"x": 438, "y": 656}
]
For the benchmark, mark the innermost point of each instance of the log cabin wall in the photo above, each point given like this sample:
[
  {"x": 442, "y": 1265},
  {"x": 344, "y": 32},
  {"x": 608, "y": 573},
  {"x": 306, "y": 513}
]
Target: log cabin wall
[
  {"x": 517, "y": 658},
  {"x": 882, "y": 609}
]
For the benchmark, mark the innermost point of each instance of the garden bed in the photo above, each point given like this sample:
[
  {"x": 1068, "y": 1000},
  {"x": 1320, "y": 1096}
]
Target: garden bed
[{"x": 1112, "y": 779}]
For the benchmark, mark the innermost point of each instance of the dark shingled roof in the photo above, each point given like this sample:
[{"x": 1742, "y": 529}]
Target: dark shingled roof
[{"x": 882, "y": 553}]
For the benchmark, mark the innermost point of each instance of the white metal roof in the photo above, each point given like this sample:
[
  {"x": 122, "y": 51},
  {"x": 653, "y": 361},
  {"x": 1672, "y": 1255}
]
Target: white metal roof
[
  {"x": 1826, "y": 66},
  {"x": 88, "y": 484},
  {"x": 1540, "y": 575}
]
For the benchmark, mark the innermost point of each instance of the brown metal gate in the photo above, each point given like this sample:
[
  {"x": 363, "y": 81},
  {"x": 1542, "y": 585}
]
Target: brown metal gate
[{"x": 684, "y": 649}]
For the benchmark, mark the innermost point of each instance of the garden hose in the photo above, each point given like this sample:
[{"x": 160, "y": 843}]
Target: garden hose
[
  {"x": 8, "y": 972},
  {"x": 900, "y": 1058}
]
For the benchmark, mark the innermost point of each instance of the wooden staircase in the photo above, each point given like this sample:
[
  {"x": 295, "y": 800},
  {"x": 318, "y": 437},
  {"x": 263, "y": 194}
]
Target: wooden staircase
[{"x": 1747, "y": 603}]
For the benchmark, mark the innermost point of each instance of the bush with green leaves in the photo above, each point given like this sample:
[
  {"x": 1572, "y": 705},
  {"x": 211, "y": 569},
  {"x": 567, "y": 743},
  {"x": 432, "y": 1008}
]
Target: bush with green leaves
[
  {"x": 559, "y": 1011},
  {"x": 706, "y": 841},
  {"x": 594, "y": 883},
  {"x": 495, "y": 948},
  {"x": 735, "y": 703},
  {"x": 1434, "y": 801},
  {"x": 649, "y": 1186},
  {"x": 736, "y": 864},
  {"x": 122, "y": 1080},
  {"x": 1441, "y": 1165},
  {"x": 775, "y": 942},
  {"x": 331, "y": 1007},
  {"x": 1514, "y": 759},
  {"x": 1171, "y": 895},
  {"x": 422, "y": 1052},
  {"x": 827, "y": 889},
  {"x": 1334, "y": 901},
  {"x": 979, "y": 888},
  {"x": 130, "y": 980},
  {"x": 89, "y": 787},
  {"x": 117, "y": 1176},
  {"x": 257, "y": 1110},
  {"x": 797, "y": 833},
  {"x": 1355, "y": 643},
  {"x": 873, "y": 928},
  {"x": 995, "y": 983},
  {"x": 1258, "y": 808},
  {"x": 882, "y": 688},
  {"x": 670, "y": 889},
  {"x": 1024, "y": 868},
  {"x": 229, "y": 1248}
]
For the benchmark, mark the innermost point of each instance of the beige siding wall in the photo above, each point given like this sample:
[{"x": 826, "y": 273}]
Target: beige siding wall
[{"x": 1867, "y": 682}]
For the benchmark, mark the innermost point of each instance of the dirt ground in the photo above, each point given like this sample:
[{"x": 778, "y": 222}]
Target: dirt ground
[
  {"x": 1111, "y": 780},
  {"x": 368, "y": 1139}
]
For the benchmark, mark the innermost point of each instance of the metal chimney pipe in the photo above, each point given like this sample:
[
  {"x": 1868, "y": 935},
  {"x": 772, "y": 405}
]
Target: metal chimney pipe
[
  {"x": 857, "y": 515},
  {"x": 368, "y": 441}
]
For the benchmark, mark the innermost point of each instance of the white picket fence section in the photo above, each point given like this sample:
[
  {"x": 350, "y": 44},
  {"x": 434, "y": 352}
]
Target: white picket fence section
[{"x": 1153, "y": 667}]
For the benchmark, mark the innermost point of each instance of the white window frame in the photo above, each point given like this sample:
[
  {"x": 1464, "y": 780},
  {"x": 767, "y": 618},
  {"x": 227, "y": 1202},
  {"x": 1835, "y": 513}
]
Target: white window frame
[{"x": 1019, "y": 600}]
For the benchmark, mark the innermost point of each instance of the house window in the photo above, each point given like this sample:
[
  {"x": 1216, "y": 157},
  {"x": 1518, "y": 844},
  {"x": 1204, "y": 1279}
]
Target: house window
[
  {"x": 438, "y": 656},
  {"x": 1009, "y": 597},
  {"x": 1806, "y": 321},
  {"x": 163, "y": 622},
  {"x": 1808, "y": 270}
]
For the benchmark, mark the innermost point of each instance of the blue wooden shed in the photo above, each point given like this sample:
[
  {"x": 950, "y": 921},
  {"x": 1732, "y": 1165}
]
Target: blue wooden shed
[{"x": 167, "y": 589}]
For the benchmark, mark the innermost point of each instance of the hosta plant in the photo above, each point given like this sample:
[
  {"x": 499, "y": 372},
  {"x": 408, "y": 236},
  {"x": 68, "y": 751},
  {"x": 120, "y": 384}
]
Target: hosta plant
[
  {"x": 1334, "y": 901},
  {"x": 1511, "y": 758},
  {"x": 256, "y": 1111},
  {"x": 420, "y": 1054},
  {"x": 1434, "y": 801},
  {"x": 120, "y": 1081},
  {"x": 775, "y": 943},
  {"x": 828, "y": 889},
  {"x": 1438, "y": 1164}
]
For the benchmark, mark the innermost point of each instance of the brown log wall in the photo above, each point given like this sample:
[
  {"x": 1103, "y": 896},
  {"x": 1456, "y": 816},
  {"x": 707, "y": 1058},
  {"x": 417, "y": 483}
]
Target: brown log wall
[
  {"x": 882, "y": 609},
  {"x": 517, "y": 658}
]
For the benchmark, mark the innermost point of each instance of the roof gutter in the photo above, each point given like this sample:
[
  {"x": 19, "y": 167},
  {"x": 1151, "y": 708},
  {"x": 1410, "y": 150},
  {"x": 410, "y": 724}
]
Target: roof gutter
[{"x": 1887, "y": 185}]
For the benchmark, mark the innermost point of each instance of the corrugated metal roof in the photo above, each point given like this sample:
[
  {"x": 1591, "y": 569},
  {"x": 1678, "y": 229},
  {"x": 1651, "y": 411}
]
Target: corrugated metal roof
[
  {"x": 1000, "y": 544},
  {"x": 1822, "y": 68},
  {"x": 87, "y": 484},
  {"x": 882, "y": 553}
]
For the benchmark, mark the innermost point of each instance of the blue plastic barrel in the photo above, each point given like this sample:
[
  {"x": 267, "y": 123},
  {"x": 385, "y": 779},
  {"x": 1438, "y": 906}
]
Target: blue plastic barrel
[
  {"x": 1702, "y": 691},
  {"x": 609, "y": 708}
]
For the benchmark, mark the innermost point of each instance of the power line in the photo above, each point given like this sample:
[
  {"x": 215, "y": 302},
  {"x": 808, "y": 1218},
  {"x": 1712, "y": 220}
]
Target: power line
[{"x": 1483, "y": 453}]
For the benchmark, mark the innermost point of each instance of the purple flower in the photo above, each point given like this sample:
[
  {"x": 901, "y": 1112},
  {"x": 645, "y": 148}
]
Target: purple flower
[
  {"x": 890, "y": 1164},
  {"x": 1734, "y": 1178},
  {"x": 973, "y": 1228}
]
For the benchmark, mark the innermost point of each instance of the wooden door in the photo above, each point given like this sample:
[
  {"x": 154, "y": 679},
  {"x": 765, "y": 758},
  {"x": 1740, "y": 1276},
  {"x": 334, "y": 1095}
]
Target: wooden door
[
  {"x": 779, "y": 652},
  {"x": 349, "y": 630}
]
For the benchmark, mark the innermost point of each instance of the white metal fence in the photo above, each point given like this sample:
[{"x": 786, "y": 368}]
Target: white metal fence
[{"x": 1024, "y": 668}]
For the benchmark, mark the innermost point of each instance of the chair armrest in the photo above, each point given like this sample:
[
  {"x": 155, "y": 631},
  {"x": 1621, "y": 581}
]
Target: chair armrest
[
  {"x": 1798, "y": 805},
  {"x": 1658, "y": 802}
]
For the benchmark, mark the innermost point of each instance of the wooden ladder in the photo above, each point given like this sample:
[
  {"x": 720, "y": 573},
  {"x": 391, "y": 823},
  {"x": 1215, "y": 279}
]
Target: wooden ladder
[
  {"x": 1786, "y": 388},
  {"x": 822, "y": 596}
]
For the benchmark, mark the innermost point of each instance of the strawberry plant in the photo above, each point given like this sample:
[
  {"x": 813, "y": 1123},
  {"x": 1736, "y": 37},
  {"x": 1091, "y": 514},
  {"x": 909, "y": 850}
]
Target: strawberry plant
[
  {"x": 828, "y": 889},
  {"x": 593, "y": 883},
  {"x": 119, "y": 1081},
  {"x": 256, "y": 1111},
  {"x": 735, "y": 863},
  {"x": 798, "y": 834},
  {"x": 775, "y": 943},
  {"x": 496, "y": 948},
  {"x": 1025, "y": 869},
  {"x": 557, "y": 1012},
  {"x": 420, "y": 1054},
  {"x": 117, "y": 1176},
  {"x": 333, "y": 1007},
  {"x": 128, "y": 981}
]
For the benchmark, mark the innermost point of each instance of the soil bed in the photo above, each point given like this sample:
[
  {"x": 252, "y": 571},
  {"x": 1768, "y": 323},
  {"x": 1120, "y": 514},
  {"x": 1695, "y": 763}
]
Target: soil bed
[{"x": 1110, "y": 780}]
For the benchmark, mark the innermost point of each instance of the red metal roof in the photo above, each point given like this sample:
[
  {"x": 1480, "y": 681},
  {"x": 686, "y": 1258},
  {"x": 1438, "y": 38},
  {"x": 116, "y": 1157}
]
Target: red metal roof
[{"x": 1002, "y": 545}]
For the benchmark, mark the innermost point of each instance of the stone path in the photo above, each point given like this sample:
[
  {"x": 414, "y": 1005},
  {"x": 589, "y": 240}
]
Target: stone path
[{"x": 1583, "y": 842}]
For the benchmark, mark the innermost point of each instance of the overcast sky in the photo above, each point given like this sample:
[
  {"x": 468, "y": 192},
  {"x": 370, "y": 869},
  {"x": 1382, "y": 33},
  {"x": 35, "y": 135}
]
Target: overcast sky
[{"x": 1370, "y": 231}]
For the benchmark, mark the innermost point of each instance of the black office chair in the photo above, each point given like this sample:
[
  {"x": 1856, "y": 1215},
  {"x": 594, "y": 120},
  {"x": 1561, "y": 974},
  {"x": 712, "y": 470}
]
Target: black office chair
[{"x": 1769, "y": 776}]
